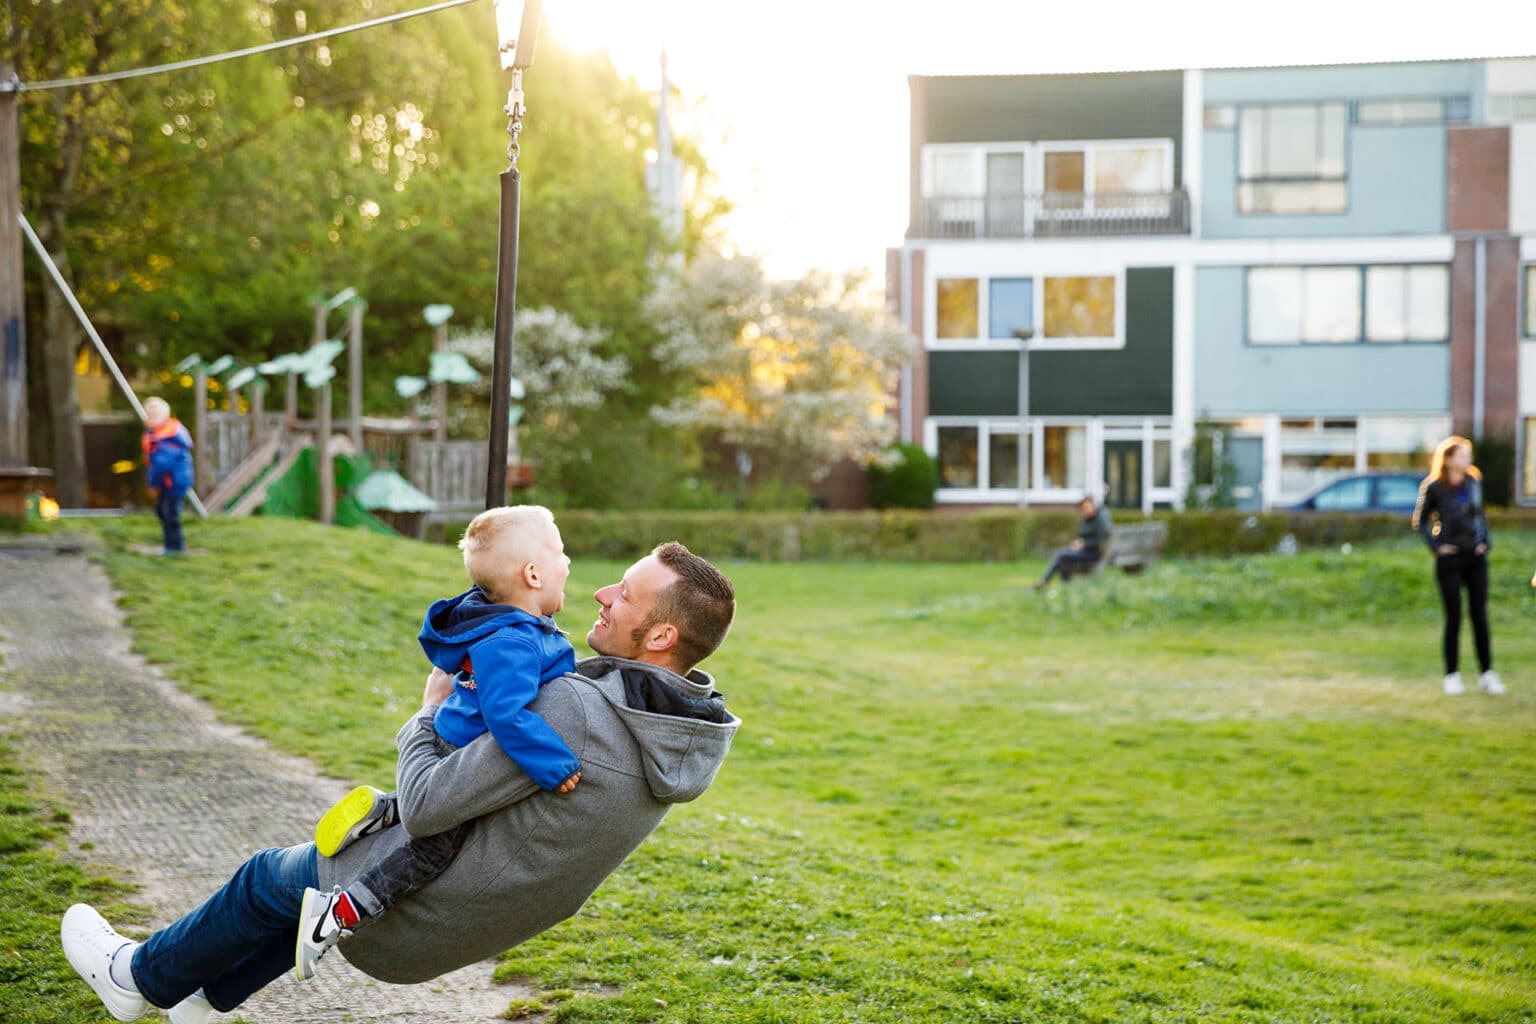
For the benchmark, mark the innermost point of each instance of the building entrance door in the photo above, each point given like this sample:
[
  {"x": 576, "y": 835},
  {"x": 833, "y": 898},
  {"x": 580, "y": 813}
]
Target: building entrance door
[{"x": 1122, "y": 474}]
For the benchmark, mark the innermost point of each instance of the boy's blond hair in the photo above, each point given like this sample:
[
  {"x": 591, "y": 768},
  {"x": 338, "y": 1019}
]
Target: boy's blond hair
[
  {"x": 498, "y": 542},
  {"x": 156, "y": 406}
]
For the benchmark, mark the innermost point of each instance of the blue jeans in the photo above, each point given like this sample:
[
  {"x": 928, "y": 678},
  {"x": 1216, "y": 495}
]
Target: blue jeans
[
  {"x": 239, "y": 941},
  {"x": 168, "y": 508}
]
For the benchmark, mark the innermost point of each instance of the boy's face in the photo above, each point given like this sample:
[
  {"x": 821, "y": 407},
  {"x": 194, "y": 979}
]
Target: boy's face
[{"x": 554, "y": 569}]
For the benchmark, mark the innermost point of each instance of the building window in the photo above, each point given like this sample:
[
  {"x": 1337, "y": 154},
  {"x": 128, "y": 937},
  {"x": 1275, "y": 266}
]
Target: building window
[
  {"x": 1414, "y": 111},
  {"x": 1010, "y": 307},
  {"x": 1105, "y": 176},
  {"x": 1323, "y": 305},
  {"x": 959, "y": 459},
  {"x": 1002, "y": 460},
  {"x": 1530, "y": 301},
  {"x": 1314, "y": 452},
  {"x": 1162, "y": 463},
  {"x": 1291, "y": 158},
  {"x": 1079, "y": 307},
  {"x": 1401, "y": 442},
  {"x": 1303, "y": 304},
  {"x": 1408, "y": 303},
  {"x": 1220, "y": 117},
  {"x": 958, "y": 307},
  {"x": 1065, "y": 451},
  {"x": 1528, "y": 467}
]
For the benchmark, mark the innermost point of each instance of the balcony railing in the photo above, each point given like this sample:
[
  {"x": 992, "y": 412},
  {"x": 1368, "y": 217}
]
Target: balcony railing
[{"x": 1053, "y": 215}]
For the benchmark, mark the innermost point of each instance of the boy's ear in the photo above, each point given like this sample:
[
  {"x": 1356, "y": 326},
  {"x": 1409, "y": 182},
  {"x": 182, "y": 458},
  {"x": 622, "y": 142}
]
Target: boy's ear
[{"x": 531, "y": 578}]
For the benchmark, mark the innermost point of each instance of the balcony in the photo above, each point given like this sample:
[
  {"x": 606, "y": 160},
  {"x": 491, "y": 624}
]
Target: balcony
[{"x": 1053, "y": 215}]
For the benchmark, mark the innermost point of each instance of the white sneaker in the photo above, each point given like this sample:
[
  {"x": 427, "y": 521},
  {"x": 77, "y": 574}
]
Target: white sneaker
[
  {"x": 89, "y": 942},
  {"x": 192, "y": 1010},
  {"x": 318, "y": 930},
  {"x": 1453, "y": 686},
  {"x": 1490, "y": 683}
]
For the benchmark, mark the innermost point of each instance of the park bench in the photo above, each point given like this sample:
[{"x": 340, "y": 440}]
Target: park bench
[{"x": 1133, "y": 547}]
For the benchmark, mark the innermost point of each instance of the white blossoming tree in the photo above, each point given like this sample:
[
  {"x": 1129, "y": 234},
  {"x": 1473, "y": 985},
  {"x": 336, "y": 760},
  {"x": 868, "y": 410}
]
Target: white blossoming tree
[
  {"x": 792, "y": 375},
  {"x": 562, "y": 374}
]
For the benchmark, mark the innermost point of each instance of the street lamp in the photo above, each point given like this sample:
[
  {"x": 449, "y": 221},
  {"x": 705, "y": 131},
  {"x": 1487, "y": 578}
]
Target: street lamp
[
  {"x": 517, "y": 29},
  {"x": 1024, "y": 334}
]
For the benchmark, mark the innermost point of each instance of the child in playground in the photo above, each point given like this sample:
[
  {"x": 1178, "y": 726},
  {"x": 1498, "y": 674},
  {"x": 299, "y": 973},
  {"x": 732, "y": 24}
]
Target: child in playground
[
  {"x": 499, "y": 641},
  {"x": 168, "y": 462}
]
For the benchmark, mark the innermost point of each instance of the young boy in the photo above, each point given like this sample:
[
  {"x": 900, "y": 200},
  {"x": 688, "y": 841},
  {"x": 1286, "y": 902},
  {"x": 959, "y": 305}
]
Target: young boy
[
  {"x": 500, "y": 641},
  {"x": 168, "y": 458}
]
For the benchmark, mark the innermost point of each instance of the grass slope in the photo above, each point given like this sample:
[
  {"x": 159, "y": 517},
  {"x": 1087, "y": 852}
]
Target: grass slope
[{"x": 1227, "y": 790}]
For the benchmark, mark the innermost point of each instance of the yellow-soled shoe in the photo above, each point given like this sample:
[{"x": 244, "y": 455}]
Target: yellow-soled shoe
[{"x": 361, "y": 812}]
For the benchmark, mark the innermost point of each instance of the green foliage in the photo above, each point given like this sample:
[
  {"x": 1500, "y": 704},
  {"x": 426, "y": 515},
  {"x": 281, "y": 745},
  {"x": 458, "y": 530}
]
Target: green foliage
[
  {"x": 1212, "y": 473},
  {"x": 716, "y": 528},
  {"x": 37, "y": 985},
  {"x": 1226, "y": 790},
  {"x": 1495, "y": 456},
  {"x": 908, "y": 483}
]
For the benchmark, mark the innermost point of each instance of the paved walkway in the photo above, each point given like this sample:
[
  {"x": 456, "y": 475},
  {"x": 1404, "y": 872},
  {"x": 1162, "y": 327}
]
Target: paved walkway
[{"x": 170, "y": 798}]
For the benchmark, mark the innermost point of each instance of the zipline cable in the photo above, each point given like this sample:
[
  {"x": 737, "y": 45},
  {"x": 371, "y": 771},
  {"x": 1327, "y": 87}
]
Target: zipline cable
[
  {"x": 117, "y": 76},
  {"x": 90, "y": 331}
]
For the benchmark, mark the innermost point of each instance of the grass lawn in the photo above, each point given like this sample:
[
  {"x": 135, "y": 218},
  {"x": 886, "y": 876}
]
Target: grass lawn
[{"x": 1227, "y": 790}]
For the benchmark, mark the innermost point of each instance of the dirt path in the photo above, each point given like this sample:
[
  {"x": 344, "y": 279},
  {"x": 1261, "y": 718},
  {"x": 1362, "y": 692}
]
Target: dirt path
[{"x": 165, "y": 795}]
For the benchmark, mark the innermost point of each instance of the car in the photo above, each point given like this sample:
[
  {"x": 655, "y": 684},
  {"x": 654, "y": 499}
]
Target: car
[{"x": 1378, "y": 493}]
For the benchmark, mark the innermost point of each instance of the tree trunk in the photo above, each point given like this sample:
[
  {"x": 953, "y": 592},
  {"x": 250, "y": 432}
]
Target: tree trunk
[{"x": 61, "y": 343}]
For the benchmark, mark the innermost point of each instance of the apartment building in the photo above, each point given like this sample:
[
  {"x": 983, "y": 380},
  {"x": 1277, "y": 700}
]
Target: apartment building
[{"x": 1327, "y": 267}]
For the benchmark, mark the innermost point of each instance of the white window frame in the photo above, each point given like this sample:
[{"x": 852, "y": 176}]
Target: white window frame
[
  {"x": 1089, "y": 148},
  {"x": 1361, "y": 271},
  {"x": 1039, "y": 342},
  {"x": 1342, "y": 179}
]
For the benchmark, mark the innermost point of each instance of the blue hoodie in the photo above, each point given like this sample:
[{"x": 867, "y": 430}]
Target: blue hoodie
[
  {"x": 168, "y": 457},
  {"x": 500, "y": 656}
]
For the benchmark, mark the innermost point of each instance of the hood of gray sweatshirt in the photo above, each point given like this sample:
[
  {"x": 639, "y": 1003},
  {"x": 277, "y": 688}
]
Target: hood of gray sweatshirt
[{"x": 647, "y": 739}]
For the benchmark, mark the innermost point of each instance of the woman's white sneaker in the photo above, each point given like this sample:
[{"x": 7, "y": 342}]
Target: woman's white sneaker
[
  {"x": 1453, "y": 685},
  {"x": 1490, "y": 683}
]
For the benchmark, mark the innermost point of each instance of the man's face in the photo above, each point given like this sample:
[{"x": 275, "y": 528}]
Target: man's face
[{"x": 625, "y": 606}]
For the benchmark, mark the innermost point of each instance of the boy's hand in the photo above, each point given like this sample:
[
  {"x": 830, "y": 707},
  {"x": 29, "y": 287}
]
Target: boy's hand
[
  {"x": 569, "y": 784},
  {"x": 439, "y": 687}
]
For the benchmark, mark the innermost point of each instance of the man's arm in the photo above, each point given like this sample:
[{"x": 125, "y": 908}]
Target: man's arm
[{"x": 436, "y": 792}]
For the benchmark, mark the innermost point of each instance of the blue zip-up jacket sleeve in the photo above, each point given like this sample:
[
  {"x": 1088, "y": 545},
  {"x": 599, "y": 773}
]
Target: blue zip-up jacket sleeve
[{"x": 507, "y": 671}]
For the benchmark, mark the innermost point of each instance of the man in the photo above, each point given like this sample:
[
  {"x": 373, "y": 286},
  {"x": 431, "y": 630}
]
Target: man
[
  {"x": 650, "y": 731},
  {"x": 1085, "y": 551}
]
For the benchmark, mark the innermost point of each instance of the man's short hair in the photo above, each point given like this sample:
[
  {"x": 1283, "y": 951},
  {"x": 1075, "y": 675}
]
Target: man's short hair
[
  {"x": 701, "y": 603},
  {"x": 498, "y": 542}
]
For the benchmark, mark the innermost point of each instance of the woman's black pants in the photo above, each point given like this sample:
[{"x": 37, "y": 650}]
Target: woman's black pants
[{"x": 1453, "y": 572}]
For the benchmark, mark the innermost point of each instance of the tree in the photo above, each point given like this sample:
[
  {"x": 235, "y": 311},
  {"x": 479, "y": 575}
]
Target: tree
[
  {"x": 791, "y": 375},
  {"x": 558, "y": 364},
  {"x": 200, "y": 210}
]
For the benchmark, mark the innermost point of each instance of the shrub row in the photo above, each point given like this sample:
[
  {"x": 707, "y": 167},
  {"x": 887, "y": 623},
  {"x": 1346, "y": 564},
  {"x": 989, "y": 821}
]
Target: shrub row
[{"x": 988, "y": 535}]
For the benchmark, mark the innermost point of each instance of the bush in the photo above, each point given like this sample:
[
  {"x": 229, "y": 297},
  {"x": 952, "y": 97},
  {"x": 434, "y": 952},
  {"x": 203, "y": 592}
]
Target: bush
[
  {"x": 909, "y": 482},
  {"x": 984, "y": 535},
  {"x": 1495, "y": 456}
]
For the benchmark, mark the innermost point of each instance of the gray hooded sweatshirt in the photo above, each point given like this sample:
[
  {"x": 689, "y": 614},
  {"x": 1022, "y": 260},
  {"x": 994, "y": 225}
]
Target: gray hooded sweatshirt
[{"x": 533, "y": 857}]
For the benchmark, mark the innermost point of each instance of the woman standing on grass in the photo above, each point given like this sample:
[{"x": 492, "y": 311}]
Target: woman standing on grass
[{"x": 1449, "y": 515}]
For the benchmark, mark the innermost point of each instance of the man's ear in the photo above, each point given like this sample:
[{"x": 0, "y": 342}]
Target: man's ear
[{"x": 661, "y": 638}]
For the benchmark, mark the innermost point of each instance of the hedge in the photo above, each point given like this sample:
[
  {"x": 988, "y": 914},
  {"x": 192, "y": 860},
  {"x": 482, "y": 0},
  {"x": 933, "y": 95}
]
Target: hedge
[{"x": 986, "y": 535}]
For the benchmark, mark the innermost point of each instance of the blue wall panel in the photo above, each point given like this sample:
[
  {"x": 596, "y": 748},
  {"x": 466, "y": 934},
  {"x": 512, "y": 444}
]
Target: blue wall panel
[{"x": 1233, "y": 378}]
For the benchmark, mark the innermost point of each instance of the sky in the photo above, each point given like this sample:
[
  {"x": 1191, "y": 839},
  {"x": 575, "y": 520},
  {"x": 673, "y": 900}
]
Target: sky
[{"x": 802, "y": 105}]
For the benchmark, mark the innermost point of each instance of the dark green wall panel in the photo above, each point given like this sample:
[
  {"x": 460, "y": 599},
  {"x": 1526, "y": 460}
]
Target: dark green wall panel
[
  {"x": 1034, "y": 108},
  {"x": 973, "y": 383},
  {"x": 1136, "y": 380}
]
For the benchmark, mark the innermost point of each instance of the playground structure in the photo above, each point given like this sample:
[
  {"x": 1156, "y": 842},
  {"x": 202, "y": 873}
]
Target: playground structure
[{"x": 244, "y": 451}]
